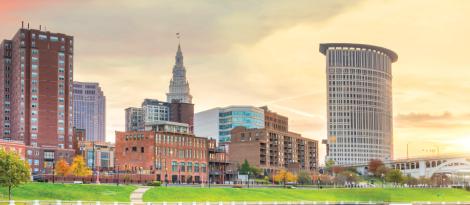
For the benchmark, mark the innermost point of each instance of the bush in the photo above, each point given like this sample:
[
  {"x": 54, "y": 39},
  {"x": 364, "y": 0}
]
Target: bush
[{"x": 154, "y": 183}]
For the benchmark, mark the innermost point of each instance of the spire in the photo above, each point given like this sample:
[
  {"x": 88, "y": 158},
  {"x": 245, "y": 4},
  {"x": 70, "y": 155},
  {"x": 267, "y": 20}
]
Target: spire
[{"x": 179, "y": 86}]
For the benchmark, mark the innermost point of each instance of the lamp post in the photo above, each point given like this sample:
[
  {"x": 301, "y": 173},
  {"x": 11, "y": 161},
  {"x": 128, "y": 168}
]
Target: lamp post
[
  {"x": 117, "y": 183},
  {"x": 140, "y": 174},
  {"x": 383, "y": 179},
  {"x": 53, "y": 172}
]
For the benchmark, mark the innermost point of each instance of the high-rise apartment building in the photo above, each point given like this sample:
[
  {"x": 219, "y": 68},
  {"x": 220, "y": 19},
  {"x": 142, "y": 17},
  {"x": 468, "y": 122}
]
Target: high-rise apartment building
[
  {"x": 36, "y": 90},
  {"x": 359, "y": 93},
  {"x": 89, "y": 110},
  {"x": 155, "y": 110},
  {"x": 218, "y": 122},
  {"x": 274, "y": 147}
]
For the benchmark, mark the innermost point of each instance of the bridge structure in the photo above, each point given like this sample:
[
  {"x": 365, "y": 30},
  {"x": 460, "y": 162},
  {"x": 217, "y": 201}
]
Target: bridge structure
[{"x": 453, "y": 165}]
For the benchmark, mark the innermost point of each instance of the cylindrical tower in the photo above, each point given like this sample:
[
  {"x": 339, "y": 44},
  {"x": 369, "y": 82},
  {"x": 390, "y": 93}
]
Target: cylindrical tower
[{"x": 359, "y": 93}]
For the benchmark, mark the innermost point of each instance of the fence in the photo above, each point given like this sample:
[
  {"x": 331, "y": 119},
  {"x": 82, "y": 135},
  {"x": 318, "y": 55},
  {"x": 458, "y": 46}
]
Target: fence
[{"x": 37, "y": 202}]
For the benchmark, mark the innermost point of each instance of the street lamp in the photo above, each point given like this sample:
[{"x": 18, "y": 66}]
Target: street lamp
[{"x": 383, "y": 179}]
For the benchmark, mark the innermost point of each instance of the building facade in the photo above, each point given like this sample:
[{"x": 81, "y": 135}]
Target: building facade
[
  {"x": 16, "y": 147},
  {"x": 359, "y": 93},
  {"x": 89, "y": 111},
  {"x": 97, "y": 155},
  {"x": 37, "y": 92},
  {"x": 175, "y": 157},
  {"x": 274, "y": 147},
  {"x": 134, "y": 119},
  {"x": 218, "y": 122},
  {"x": 155, "y": 111},
  {"x": 179, "y": 86}
]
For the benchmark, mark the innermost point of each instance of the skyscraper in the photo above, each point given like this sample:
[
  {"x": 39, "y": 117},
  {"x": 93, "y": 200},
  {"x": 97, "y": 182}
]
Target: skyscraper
[
  {"x": 359, "y": 93},
  {"x": 89, "y": 110},
  {"x": 179, "y": 86},
  {"x": 36, "y": 90}
]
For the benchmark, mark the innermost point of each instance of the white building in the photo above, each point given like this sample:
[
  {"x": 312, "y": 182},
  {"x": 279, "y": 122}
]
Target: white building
[
  {"x": 89, "y": 110},
  {"x": 359, "y": 93},
  {"x": 218, "y": 122}
]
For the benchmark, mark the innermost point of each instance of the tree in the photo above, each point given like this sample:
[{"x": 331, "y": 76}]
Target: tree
[
  {"x": 13, "y": 171},
  {"x": 382, "y": 171},
  {"x": 79, "y": 167},
  {"x": 346, "y": 177},
  {"x": 284, "y": 177},
  {"x": 374, "y": 166},
  {"x": 304, "y": 178},
  {"x": 62, "y": 168},
  {"x": 329, "y": 165},
  {"x": 245, "y": 168},
  {"x": 394, "y": 176},
  {"x": 337, "y": 169},
  {"x": 256, "y": 172}
]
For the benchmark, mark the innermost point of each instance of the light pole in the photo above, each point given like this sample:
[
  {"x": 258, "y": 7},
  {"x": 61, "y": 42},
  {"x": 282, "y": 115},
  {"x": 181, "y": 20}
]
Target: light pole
[{"x": 117, "y": 183}]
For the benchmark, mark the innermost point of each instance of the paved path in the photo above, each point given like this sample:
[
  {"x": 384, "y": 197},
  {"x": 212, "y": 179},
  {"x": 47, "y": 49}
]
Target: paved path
[{"x": 137, "y": 195}]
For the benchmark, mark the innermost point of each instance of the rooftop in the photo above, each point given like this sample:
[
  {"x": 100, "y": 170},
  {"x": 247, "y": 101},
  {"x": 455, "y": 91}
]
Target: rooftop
[{"x": 324, "y": 46}]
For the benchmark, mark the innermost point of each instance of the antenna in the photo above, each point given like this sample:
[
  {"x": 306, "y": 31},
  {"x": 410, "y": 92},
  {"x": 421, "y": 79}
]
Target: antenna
[
  {"x": 28, "y": 25},
  {"x": 178, "y": 36},
  {"x": 22, "y": 24},
  {"x": 39, "y": 27}
]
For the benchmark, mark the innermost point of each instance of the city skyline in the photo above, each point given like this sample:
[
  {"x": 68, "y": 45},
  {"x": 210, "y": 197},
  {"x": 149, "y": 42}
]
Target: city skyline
[{"x": 428, "y": 87}]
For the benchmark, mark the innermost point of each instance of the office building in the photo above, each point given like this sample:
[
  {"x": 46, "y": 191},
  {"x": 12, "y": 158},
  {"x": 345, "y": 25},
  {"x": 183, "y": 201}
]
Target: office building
[
  {"x": 97, "y": 155},
  {"x": 274, "y": 147},
  {"x": 89, "y": 111},
  {"x": 359, "y": 93},
  {"x": 218, "y": 122},
  {"x": 134, "y": 119},
  {"x": 37, "y": 93}
]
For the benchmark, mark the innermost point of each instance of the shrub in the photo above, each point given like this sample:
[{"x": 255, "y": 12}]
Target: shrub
[{"x": 154, "y": 183}]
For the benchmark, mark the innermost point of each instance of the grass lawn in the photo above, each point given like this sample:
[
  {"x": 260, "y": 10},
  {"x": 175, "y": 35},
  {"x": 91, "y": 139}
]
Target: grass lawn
[
  {"x": 185, "y": 194},
  {"x": 66, "y": 192}
]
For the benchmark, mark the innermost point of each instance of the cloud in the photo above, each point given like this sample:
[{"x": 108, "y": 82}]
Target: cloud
[{"x": 432, "y": 121}]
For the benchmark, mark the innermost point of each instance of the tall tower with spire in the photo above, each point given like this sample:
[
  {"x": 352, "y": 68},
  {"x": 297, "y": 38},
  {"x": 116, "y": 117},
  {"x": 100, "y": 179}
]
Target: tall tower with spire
[{"x": 179, "y": 86}]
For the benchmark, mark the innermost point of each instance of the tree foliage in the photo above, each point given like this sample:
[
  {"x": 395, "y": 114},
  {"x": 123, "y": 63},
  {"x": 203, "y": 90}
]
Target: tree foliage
[
  {"x": 79, "y": 167},
  {"x": 374, "y": 166},
  {"x": 62, "y": 168},
  {"x": 13, "y": 170},
  {"x": 394, "y": 176},
  {"x": 329, "y": 165},
  {"x": 304, "y": 178},
  {"x": 245, "y": 168},
  {"x": 284, "y": 176}
]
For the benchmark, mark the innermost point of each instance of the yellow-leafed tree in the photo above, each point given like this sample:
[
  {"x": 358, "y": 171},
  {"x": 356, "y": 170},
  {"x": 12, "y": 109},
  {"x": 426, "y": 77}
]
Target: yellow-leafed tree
[
  {"x": 79, "y": 167},
  {"x": 62, "y": 168},
  {"x": 284, "y": 176}
]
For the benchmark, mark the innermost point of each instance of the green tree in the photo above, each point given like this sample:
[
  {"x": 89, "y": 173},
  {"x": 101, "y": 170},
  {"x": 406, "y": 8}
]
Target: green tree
[
  {"x": 329, "y": 165},
  {"x": 394, "y": 176},
  {"x": 245, "y": 168},
  {"x": 13, "y": 171},
  {"x": 304, "y": 178}
]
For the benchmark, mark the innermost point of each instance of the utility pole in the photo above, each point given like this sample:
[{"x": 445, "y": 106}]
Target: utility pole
[
  {"x": 117, "y": 184},
  {"x": 93, "y": 162}
]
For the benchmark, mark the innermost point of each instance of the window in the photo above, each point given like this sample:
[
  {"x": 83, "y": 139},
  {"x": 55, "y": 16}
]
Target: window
[
  {"x": 174, "y": 166},
  {"x": 54, "y": 38},
  {"x": 42, "y": 37},
  {"x": 182, "y": 166},
  {"x": 142, "y": 149},
  {"x": 134, "y": 149}
]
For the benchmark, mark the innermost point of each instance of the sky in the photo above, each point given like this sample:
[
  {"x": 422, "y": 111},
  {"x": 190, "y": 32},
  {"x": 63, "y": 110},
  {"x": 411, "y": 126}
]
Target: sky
[{"x": 265, "y": 52}]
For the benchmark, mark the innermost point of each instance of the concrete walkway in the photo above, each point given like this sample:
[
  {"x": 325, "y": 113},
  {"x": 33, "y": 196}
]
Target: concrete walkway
[{"x": 137, "y": 195}]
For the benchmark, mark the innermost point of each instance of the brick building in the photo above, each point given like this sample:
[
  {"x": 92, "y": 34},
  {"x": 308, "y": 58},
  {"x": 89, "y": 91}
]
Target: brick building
[
  {"x": 37, "y": 76},
  {"x": 274, "y": 147},
  {"x": 166, "y": 150},
  {"x": 17, "y": 147}
]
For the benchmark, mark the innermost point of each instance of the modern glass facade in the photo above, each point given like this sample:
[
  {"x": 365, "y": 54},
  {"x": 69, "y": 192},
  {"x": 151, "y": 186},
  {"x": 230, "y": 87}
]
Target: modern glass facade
[{"x": 218, "y": 122}]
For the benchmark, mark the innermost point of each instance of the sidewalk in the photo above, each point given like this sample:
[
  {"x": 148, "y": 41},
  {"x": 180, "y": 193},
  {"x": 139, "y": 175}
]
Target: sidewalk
[{"x": 137, "y": 195}]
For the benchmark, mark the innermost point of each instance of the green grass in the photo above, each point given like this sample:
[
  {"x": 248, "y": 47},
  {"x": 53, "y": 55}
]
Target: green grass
[
  {"x": 69, "y": 192},
  {"x": 185, "y": 194}
]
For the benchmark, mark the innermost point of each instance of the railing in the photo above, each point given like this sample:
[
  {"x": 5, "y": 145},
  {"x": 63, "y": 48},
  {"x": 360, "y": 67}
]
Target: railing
[{"x": 58, "y": 202}]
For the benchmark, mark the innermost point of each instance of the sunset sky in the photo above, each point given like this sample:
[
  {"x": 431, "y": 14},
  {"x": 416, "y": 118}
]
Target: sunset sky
[{"x": 266, "y": 53}]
